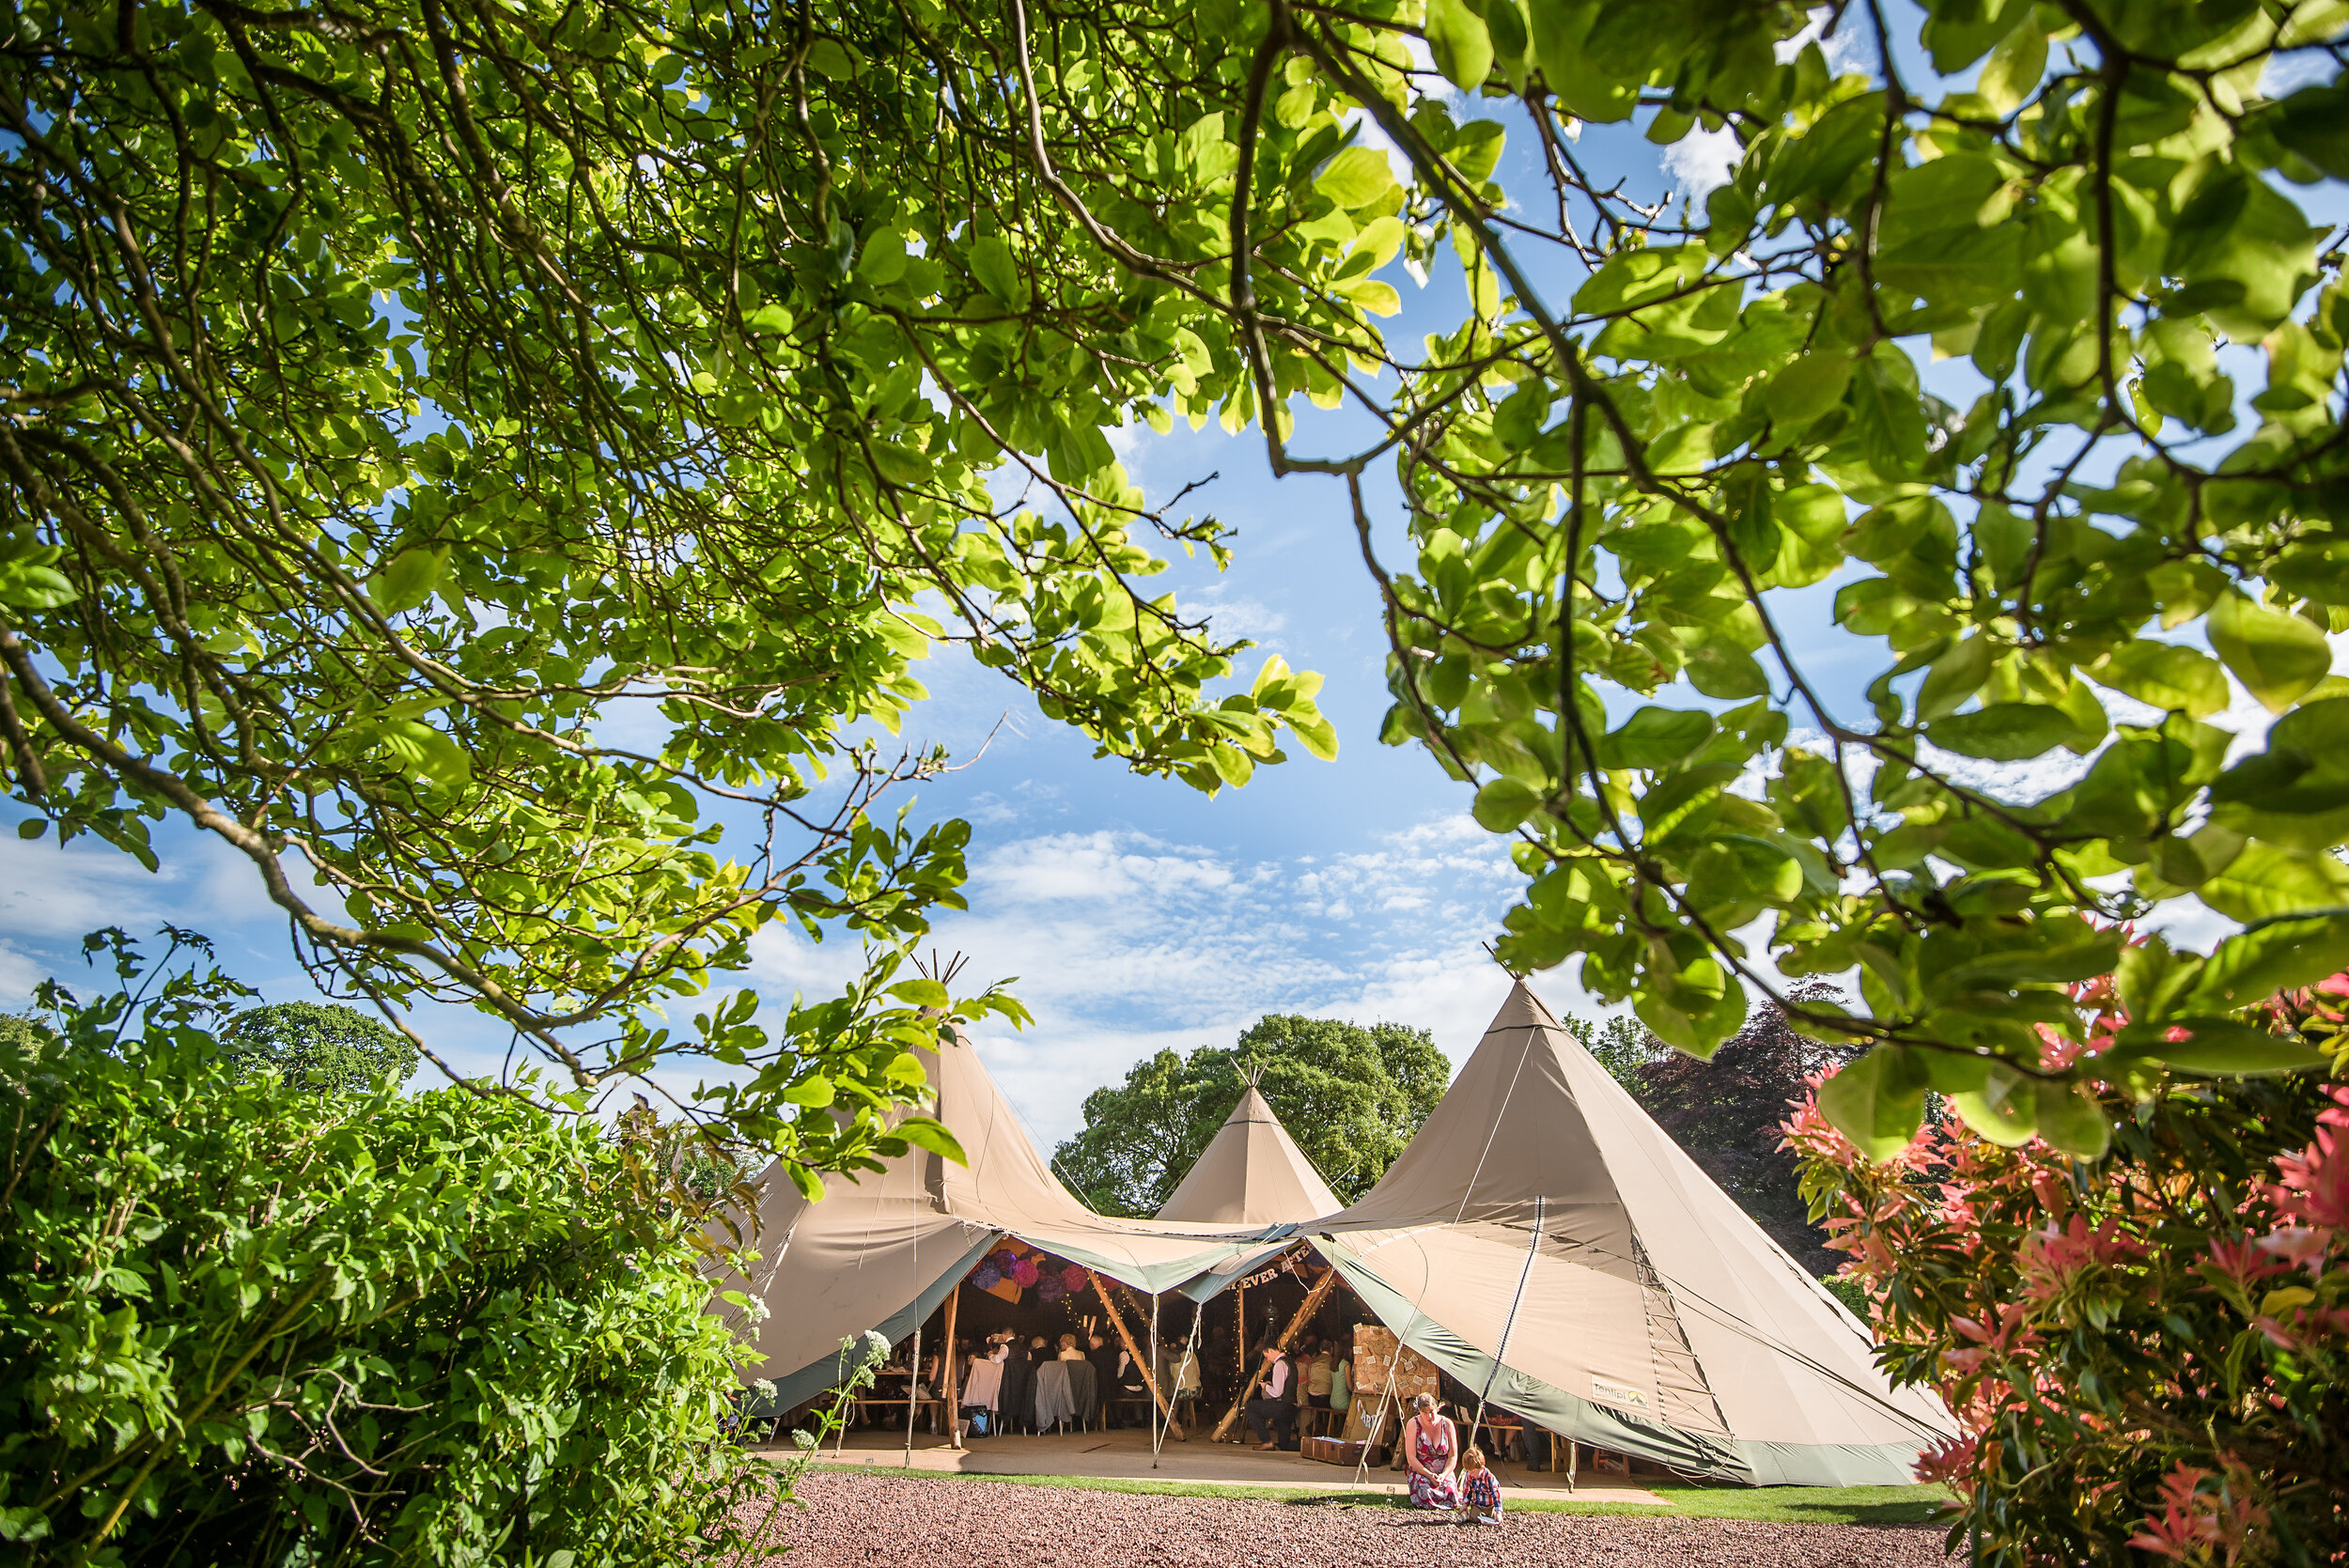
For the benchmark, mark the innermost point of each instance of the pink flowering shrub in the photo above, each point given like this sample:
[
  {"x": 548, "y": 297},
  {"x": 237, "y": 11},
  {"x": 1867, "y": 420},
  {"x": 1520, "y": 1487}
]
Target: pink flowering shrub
[{"x": 2149, "y": 1353}]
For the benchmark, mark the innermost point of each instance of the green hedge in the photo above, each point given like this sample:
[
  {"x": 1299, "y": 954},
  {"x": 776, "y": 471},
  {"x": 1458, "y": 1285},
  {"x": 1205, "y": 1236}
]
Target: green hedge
[{"x": 243, "y": 1323}]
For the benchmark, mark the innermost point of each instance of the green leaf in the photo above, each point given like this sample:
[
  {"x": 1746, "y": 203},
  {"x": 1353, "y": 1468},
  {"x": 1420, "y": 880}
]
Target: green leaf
[
  {"x": 2005, "y": 1110},
  {"x": 1807, "y": 389},
  {"x": 1954, "y": 678},
  {"x": 2181, "y": 679},
  {"x": 1630, "y": 279},
  {"x": 2221, "y": 1048},
  {"x": 993, "y": 265},
  {"x": 2002, "y": 732},
  {"x": 1655, "y": 737},
  {"x": 925, "y": 1132},
  {"x": 920, "y": 993},
  {"x": 408, "y": 579},
  {"x": 1463, "y": 48},
  {"x": 1376, "y": 297},
  {"x": 1873, "y": 1103},
  {"x": 2274, "y": 955},
  {"x": 811, "y": 1185},
  {"x": 885, "y": 257},
  {"x": 31, "y": 584},
  {"x": 1723, "y": 670},
  {"x": 2278, "y": 657},
  {"x": 1890, "y": 426},
  {"x": 815, "y": 1090},
  {"x": 1519, "y": 419},
  {"x": 424, "y": 750},
  {"x": 2071, "y": 1121},
  {"x": 1357, "y": 178},
  {"x": 2314, "y": 123},
  {"x": 1504, "y": 803},
  {"x": 2267, "y": 880},
  {"x": 1320, "y": 736},
  {"x": 1580, "y": 80},
  {"x": 2011, "y": 75}
]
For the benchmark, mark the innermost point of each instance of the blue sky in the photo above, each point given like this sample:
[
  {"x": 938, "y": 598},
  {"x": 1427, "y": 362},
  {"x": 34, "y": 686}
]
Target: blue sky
[{"x": 1135, "y": 913}]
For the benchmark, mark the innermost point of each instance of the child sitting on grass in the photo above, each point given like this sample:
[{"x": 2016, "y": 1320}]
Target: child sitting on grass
[{"x": 1480, "y": 1494}]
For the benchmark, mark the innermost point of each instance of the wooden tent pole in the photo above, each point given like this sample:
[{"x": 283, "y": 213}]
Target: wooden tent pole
[
  {"x": 953, "y": 1360},
  {"x": 1126, "y": 1336},
  {"x": 1239, "y": 1334},
  {"x": 1305, "y": 1310}
]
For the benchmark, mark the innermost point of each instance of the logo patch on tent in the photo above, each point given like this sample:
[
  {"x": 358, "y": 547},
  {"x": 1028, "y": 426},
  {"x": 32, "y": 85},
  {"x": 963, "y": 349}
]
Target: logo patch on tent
[{"x": 1615, "y": 1396}]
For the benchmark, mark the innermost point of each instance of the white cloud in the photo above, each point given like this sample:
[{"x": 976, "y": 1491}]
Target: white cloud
[
  {"x": 18, "y": 974},
  {"x": 1849, "y": 50},
  {"x": 1702, "y": 160},
  {"x": 1123, "y": 943}
]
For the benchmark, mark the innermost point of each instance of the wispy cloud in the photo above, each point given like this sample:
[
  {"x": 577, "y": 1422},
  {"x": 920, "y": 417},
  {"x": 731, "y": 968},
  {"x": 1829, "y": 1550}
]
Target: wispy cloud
[{"x": 1123, "y": 942}]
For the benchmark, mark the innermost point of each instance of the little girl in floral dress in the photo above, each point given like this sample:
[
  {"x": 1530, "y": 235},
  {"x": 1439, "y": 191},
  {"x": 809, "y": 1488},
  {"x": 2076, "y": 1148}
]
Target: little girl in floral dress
[{"x": 1480, "y": 1493}]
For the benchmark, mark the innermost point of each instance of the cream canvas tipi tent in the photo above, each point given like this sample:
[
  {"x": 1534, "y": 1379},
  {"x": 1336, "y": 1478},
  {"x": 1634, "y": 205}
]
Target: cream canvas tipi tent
[
  {"x": 1548, "y": 1245},
  {"x": 883, "y": 1249},
  {"x": 1252, "y": 1174}
]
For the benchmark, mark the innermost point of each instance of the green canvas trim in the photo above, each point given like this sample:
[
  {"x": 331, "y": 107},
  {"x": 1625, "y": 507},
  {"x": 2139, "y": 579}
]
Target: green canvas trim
[
  {"x": 1832, "y": 1464},
  {"x": 1567, "y": 1415},
  {"x": 1749, "y": 1462}
]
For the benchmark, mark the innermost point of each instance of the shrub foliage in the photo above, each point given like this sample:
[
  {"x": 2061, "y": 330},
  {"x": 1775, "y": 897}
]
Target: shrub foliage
[
  {"x": 245, "y": 1322},
  {"x": 2147, "y": 1350}
]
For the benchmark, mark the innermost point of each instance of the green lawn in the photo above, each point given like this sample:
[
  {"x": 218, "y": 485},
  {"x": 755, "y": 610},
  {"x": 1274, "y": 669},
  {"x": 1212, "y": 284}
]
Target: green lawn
[{"x": 1878, "y": 1506}]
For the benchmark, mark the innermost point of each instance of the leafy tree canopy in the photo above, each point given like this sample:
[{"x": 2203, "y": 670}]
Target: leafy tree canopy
[
  {"x": 1351, "y": 1098},
  {"x": 324, "y": 1047},
  {"x": 395, "y": 400},
  {"x": 402, "y": 406}
]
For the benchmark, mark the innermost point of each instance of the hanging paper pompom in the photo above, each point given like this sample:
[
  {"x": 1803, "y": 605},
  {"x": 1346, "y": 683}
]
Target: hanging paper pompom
[
  {"x": 1004, "y": 1259},
  {"x": 987, "y": 1276},
  {"x": 1024, "y": 1272},
  {"x": 1052, "y": 1289},
  {"x": 1075, "y": 1278}
]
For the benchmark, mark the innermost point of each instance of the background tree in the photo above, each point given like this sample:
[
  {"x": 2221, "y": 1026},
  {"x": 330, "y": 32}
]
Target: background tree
[
  {"x": 321, "y": 1047},
  {"x": 1351, "y": 1098},
  {"x": 1729, "y": 1113}
]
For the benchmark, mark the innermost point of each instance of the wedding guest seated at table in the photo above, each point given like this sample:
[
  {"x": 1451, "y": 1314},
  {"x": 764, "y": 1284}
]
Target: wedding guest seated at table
[{"x": 1320, "y": 1368}]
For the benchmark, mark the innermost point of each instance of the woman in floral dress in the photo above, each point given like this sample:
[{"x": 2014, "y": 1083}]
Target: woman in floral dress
[{"x": 1431, "y": 1446}]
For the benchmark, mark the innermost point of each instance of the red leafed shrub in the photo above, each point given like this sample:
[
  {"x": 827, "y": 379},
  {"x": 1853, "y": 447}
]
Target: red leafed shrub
[{"x": 2147, "y": 1351}]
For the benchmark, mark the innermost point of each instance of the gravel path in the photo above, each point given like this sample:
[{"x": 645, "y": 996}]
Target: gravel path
[{"x": 893, "y": 1522}]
